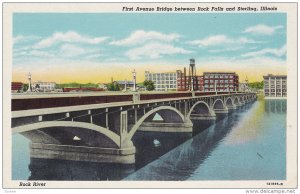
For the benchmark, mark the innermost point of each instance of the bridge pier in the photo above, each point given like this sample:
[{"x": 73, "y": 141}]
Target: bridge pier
[
  {"x": 221, "y": 111},
  {"x": 231, "y": 108},
  {"x": 211, "y": 116},
  {"x": 238, "y": 105},
  {"x": 83, "y": 153},
  {"x": 186, "y": 127}
]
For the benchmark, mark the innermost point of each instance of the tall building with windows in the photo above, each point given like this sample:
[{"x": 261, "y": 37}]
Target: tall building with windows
[
  {"x": 220, "y": 81},
  {"x": 184, "y": 82},
  {"x": 275, "y": 86},
  {"x": 163, "y": 81}
]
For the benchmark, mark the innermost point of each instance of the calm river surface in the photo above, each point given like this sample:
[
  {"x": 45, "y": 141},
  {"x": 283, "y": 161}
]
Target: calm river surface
[{"x": 247, "y": 144}]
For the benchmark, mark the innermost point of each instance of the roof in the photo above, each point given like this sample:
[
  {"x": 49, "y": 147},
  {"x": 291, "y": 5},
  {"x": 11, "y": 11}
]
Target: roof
[
  {"x": 172, "y": 72},
  {"x": 271, "y": 75},
  {"x": 16, "y": 83},
  {"x": 219, "y": 73}
]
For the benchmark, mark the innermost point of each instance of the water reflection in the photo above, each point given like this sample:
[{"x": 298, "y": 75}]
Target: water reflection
[
  {"x": 275, "y": 106},
  {"x": 151, "y": 145},
  {"x": 45, "y": 169},
  {"x": 182, "y": 161}
]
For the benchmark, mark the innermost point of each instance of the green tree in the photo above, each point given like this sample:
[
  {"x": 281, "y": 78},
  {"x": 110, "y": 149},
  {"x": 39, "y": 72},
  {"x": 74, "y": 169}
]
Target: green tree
[
  {"x": 114, "y": 86},
  {"x": 76, "y": 85},
  {"x": 149, "y": 85},
  {"x": 257, "y": 85},
  {"x": 25, "y": 87}
]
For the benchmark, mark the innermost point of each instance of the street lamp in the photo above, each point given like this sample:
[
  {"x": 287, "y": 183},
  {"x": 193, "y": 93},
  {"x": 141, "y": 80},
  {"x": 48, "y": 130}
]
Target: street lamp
[
  {"x": 125, "y": 85},
  {"x": 29, "y": 82},
  {"x": 134, "y": 80}
]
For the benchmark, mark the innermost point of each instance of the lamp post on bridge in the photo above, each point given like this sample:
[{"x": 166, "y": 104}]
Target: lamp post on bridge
[
  {"x": 29, "y": 83},
  {"x": 125, "y": 85},
  {"x": 134, "y": 80}
]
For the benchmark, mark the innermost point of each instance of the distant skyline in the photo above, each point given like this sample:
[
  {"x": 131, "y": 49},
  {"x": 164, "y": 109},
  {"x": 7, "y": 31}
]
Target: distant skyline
[{"x": 93, "y": 47}]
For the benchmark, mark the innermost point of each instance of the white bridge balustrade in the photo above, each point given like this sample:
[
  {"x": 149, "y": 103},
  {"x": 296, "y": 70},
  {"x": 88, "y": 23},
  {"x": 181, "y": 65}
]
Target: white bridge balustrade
[{"x": 103, "y": 132}]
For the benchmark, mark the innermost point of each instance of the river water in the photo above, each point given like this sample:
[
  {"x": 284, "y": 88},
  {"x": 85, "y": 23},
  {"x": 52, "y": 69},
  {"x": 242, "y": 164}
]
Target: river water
[{"x": 247, "y": 144}]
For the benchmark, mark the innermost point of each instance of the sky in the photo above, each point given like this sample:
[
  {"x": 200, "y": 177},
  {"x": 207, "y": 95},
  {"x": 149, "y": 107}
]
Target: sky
[{"x": 94, "y": 47}]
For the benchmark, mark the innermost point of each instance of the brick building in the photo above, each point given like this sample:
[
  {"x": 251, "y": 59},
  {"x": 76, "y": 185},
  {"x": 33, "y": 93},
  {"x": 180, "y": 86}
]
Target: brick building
[
  {"x": 220, "y": 81},
  {"x": 184, "y": 81},
  {"x": 16, "y": 86}
]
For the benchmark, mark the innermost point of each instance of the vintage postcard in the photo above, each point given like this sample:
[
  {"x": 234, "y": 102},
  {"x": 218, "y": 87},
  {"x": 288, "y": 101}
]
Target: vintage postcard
[{"x": 150, "y": 95}]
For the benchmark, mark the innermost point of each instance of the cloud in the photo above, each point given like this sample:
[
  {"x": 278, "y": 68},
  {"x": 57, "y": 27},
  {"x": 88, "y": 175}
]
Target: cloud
[
  {"x": 22, "y": 38},
  {"x": 140, "y": 37},
  {"x": 221, "y": 40},
  {"x": 93, "y": 56},
  {"x": 276, "y": 52},
  {"x": 38, "y": 53},
  {"x": 69, "y": 50},
  {"x": 70, "y": 37},
  {"x": 262, "y": 29},
  {"x": 155, "y": 50},
  {"x": 227, "y": 49}
]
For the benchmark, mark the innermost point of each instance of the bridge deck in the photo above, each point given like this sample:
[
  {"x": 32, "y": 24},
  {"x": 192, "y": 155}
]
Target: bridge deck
[
  {"x": 38, "y": 101},
  {"x": 61, "y": 109}
]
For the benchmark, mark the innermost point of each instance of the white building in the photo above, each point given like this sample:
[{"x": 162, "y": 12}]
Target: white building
[
  {"x": 102, "y": 86},
  {"x": 275, "y": 86},
  {"x": 44, "y": 86},
  {"x": 244, "y": 86},
  {"x": 163, "y": 81}
]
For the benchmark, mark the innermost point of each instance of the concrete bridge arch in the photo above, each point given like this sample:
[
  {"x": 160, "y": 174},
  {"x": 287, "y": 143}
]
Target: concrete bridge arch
[
  {"x": 168, "y": 113},
  {"x": 229, "y": 101},
  {"x": 236, "y": 101},
  {"x": 218, "y": 104},
  {"x": 200, "y": 107},
  {"x": 63, "y": 124}
]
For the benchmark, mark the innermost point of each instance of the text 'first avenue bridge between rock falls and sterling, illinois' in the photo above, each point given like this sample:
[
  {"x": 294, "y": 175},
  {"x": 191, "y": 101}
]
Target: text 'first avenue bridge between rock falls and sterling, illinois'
[{"x": 197, "y": 9}]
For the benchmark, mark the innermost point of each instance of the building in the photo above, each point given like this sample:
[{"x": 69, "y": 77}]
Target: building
[
  {"x": 163, "y": 81},
  {"x": 275, "y": 86},
  {"x": 244, "y": 86},
  {"x": 184, "y": 81},
  {"x": 124, "y": 83},
  {"x": 220, "y": 81},
  {"x": 102, "y": 86},
  {"x": 16, "y": 87},
  {"x": 190, "y": 82},
  {"x": 44, "y": 86}
]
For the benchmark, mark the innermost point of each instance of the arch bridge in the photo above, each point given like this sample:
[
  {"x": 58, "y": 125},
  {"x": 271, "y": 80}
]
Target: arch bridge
[{"x": 88, "y": 128}]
